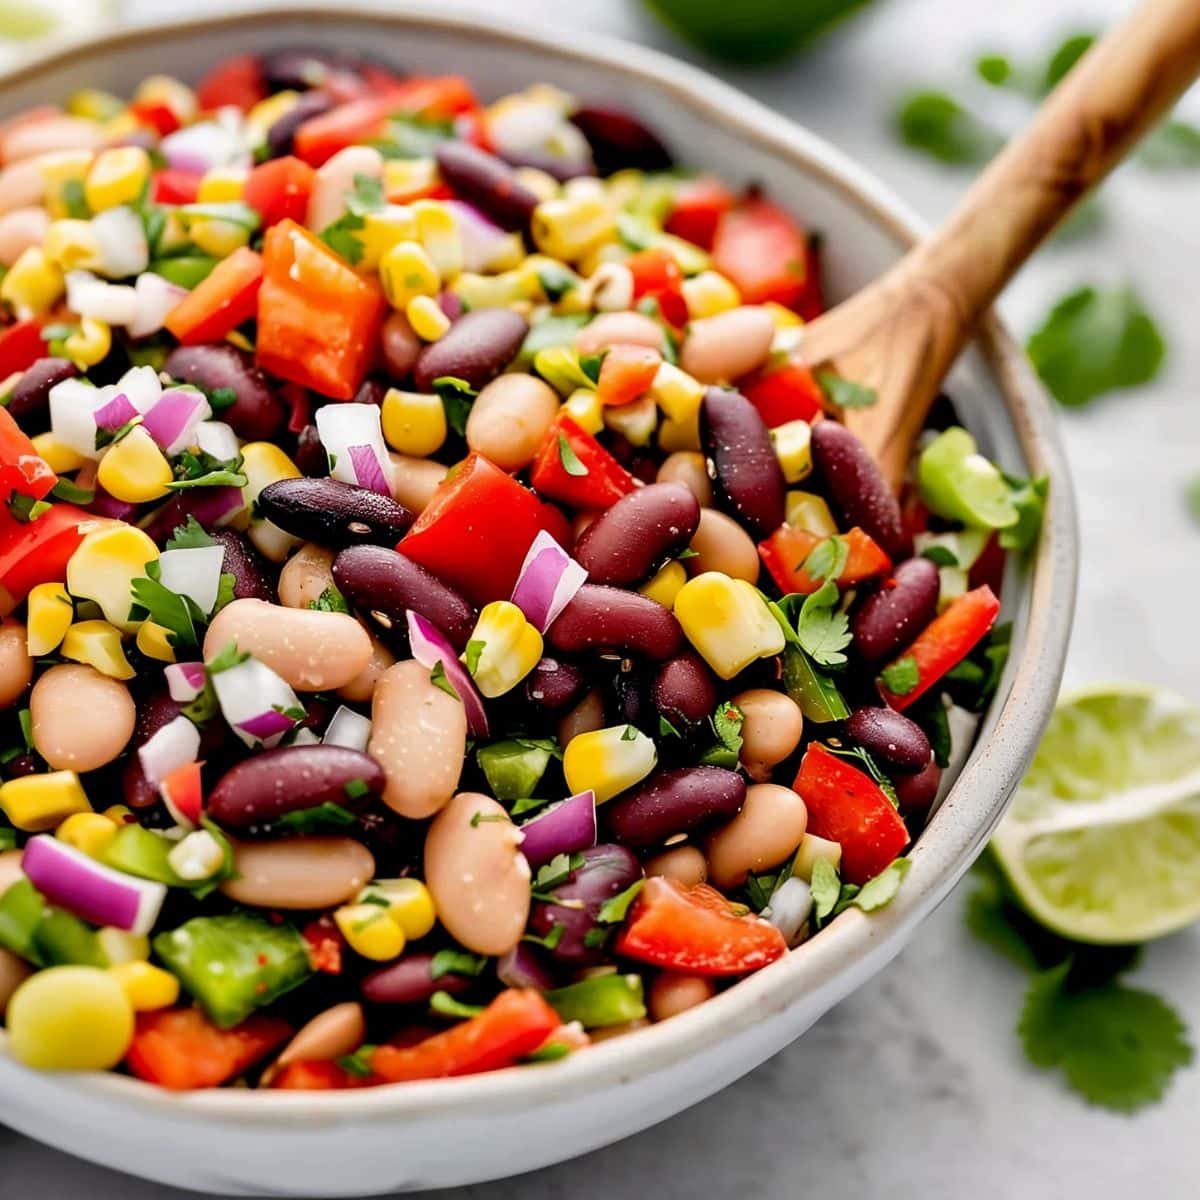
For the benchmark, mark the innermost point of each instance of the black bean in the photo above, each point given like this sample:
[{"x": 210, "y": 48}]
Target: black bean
[
  {"x": 477, "y": 347},
  {"x": 334, "y": 513},
  {"x": 29, "y": 402},
  {"x": 915, "y": 793},
  {"x": 896, "y": 613},
  {"x": 745, "y": 468},
  {"x": 627, "y": 542},
  {"x": 607, "y": 619},
  {"x": 251, "y": 575},
  {"x": 257, "y": 413},
  {"x": 488, "y": 183},
  {"x": 672, "y": 802},
  {"x": 618, "y": 139},
  {"x": 283, "y": 130},
  {"x": 410, "y": 981},
  {"x": 554, "y": 685},
  {"x": 685, "y": 692},
  {"x": 898, "y": 743}
]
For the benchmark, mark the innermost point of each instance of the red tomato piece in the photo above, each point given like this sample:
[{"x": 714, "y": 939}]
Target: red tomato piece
[
  {"x": 279, "y": 189},
  {"x": 318, "y": 320},
  {"x": 325, "y": 945},
  {"x": 443, "y": 96},
  {"x": 157, "y": 115},
  {"x": 322, "y": 136},
  {"x": 785, "y": 551},
  {"x": 695, "y": 929},
  {"x": 696, "y": 209},
  {"x": 182, "y": 792},
  {"x": 658, "y": 277},
  {"x": 221, "y": 301},
  {"x": 21, "y": 346},
  {"x": 845, "y": 805},
  {"x": 318, "y": 1076},
  {"x": 945, "y": 642},
  {"x": 627, "y": 373},
  {"x": 172, "y": 186},
  {"x": 596, "y": 479},
  {"x": 22, "y": 470},
  {"x": 180, "y": 1049},
  {"x": 790, "y": 393},
  {"x": 516, "y": 1023},
  {"x": 763, "y": 251},
  {"x": 237, "y": 81},
  {"x": 33, "y": 552}
]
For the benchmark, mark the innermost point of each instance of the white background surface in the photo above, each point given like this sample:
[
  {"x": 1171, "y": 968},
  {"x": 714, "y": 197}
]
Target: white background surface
[{"x": 915, "y": 1086}]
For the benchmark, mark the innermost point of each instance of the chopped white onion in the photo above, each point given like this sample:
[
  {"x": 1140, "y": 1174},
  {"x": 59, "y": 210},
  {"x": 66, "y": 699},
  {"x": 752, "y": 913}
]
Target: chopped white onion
[
  {"x": 122, "y": 240},
  {"x": 172, "y": 421},
  {"x": 348, "y": 728},
  {"x": 206, "y": 144},
  {"x": 90, "y": 296},
  {"x": 218, "y": 439},
  {"x": 789, "y": 909},
  {"x": 155, "y": 297},
  {"x": 73, "y": 407},
  {"x": 348, "y": 431},
  {"x": 176, "y": 744},
  {"x": 142, "y": 386},
  {"x": 255, "y": 702},
  {"x": 194, "y": 572},
  {"x": 197, "y": 857},
  {"x": 483, "y": 241}
]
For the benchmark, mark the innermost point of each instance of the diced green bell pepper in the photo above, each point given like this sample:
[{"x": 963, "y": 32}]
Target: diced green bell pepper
[
  {"x": 600, "y": 1001},
  {"x": 141, "y": 852},
  {"x": 21, "y": 909},
  {"x": 513, "y": 768},
  {"x": 184, "y": 270},
  {"x": 551, "y": 331},
  {"x": 61, "y": 938}
]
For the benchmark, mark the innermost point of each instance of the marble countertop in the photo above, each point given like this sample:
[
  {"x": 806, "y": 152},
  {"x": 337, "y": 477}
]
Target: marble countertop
[{"x": 915, "y": 1086}]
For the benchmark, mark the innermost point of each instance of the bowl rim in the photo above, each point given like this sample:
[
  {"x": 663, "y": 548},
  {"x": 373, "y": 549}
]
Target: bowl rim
[{"x": 976, "y": 802}]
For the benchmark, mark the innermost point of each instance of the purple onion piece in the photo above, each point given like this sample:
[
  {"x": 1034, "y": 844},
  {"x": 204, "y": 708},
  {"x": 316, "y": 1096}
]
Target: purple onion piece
[
  {"x": 115, "y": 412},
  {"x": 521, "y": 967},
  {"x": 429, "y": 647},
  {"x": 368, "y": 471},
  {"x": 562, "y": 828},
  {"x": 548, "y": 580}
]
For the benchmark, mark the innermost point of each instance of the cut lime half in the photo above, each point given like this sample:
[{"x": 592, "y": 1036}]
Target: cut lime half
[{"x": 1102, "y": 842}]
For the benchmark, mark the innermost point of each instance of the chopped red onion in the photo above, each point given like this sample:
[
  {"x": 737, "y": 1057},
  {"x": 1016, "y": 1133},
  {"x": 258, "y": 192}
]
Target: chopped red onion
[
  {"x": 142, "y": 385},
  {"x": 199, "y": 147},
  {"x": 104, "y": 505},
  {"x": 562, "y": 828},
  {"x": 154, "y": 297},
  {"x": 172, "y": 421},
  {"x": 114, "y": 413},
  {"x": 348, "y": 728},
  {"x": 549, "y": 578},
  {"x": 176, "y": 744},
  {"x": 185, "y": 681},
  {"x": 430, "y": 647},
  {"x": 482, "y": 239},
  {"x": 266, "y": 724},
  {"x": 255, "y": 703},
  {"x": 194, "y": 572},
  {"x": 520, "y": 967},
  {"x": 368, "y": 470}
]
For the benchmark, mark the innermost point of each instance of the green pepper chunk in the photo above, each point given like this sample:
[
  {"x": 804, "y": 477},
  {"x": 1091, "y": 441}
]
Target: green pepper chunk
[
  {"x": 958, "y": 483},
  {"x": 61, "y": 938},
  {"x": 551, "y": 331},
  {"x": 21, "y": 909},
  {"x": 184, "y": 270},
  {"x": 141, "y": 852},
  {"x": 513, "y": 768},
  {"x": 600, "y": 1001},
  {"x": 813, "y": 690},
  {"x": 235, "y": 963}
]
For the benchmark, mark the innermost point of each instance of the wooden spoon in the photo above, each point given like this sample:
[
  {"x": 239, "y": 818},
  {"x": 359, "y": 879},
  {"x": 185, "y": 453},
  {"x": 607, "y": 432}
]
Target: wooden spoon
[{"x": 901, "y": 334}]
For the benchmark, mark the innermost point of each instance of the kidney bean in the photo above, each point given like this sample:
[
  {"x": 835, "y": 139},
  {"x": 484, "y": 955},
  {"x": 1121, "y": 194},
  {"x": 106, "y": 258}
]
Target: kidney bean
[
  {"x": 330, "y": 1034},
  {"x": 414, "y": 480},
  {"x": 509, "y": 419},
  {"x": 260, "y": 790},
  {"x": 81, "y": 719},
  {"x": 251, "y": 577},
  {"x": 768, "y": 829},
  {"x": 683, "y": 864},
  {"x": 721, "y": 544},
  {"x": 21, "y": 229},
  {"x": 915, "y": 793},
  {"x": 386, "y": 584},
  {"x": 859, "y": 492},
  {"x": 747, "y": 473},
  {"x": 371, "y": 391},
  {"x": 586, "y": 716},
  {"x": 477, "y": 875},
  {"x": 410, "y": 981},
  {"x": 613, "y": 620},
  {"x": 51, "y": 134},
  {"x": 771, "y": 727},
  {"x": 477, "y": 347},
  {"x": 16, "y": 666},
  {"x": 22, "y": 184},
  {"x": 401, "y": 347},
  {"x": 334, "y": 513},
  {"x": 618, "y": 329},
  {"x": 18, "y": 768},
  {"x": 30, "y": 399},
  {"x": 630, "y": 700},
  {"x": 724, "y": 347},
  {"x": 295, "y": 70},
  {"x": 257, "y": 414},
  {"x": 554, "y": 685},
  {"x": 891, "y": 737},
  {"x": 488, "y": 183},
  {"x": 299, "y": 873},
  {"x": 282, "y": 130},
  {"x": 671, "y": 802},
  {"x": 684, "y": 690},
  {"x": 893, "y": 616},
  {"x": 672, "y": 993},
  {"x": 689, "y": 468},
  {"x": 618, "y": 139},
  {"x": 310, "y": 454},
  {"x": 606, "y": 871},
  {"x": 626, "y": 543}
]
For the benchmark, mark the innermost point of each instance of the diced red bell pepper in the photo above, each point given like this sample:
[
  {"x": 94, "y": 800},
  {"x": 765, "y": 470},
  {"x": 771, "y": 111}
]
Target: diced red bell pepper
[
  {"x": 601, "y": 480},
  {"x": 319, "y": 138},
  {"x": 476, "y": 530},
  {"x": 221, "y": 301},
  {"x": 785, "y": 551},
  {"x": 180, "y": 1049},
  {"x": 309, "y": 1075},
  {"x": 318, "y": 320},
  {"x": 695, "y": 929},
  {"x": 325, "y": 944},
  {"x": 845, "y": 805},
  {"x": 21, "y": 346},
  {"x": 435, "y": 96},
  {"x": 516, "y": 1023},
  {"x": 790, "y": 393},
  {"x": 763, "y": 251},
  {"x": 33, "y": 552},
  {"x": 627, "y": 373},
  {"x": 658, "y": 277},
  {"x": 696, "y": 209},
  {"x": 237, "y": 81},
  {"x": 172, "y": 186},
  {"x": 22, "y": 469},
  {"x": 945, "y": 642},
  {"x": 156, "y": 115},
  {"x": 279, "y": 189},
  {"x": 183, "y": 793}
]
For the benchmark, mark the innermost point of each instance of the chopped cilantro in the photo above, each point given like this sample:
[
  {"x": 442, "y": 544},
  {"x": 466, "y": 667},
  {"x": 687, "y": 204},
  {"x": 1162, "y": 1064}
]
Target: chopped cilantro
[
  {"x": 823, "y": 631},
  {"x": 629, "y": 734},
  {"x": 355, "y": 789},
  {"x": 330, "y": 600},
  {"x": 901, "y": 676},
  {"x": 475, "y": 648},
  {"x": 197, "y": 468},
  {"x": 825, "y": 888},
  {"x": 189, "y": 536},
  {"x": 550, "y": 941},
  {"x": 845, "y": 393},
  {"x": 549, "y": 1051},
  {"x": 178, "y": 614},
  {"x": 358, "y": 1063},
  {"x": 74, "y": 201},
  {"x": 941, "y": 556},
  {"x": 340, "y": 237},
  {"x": 438, "y": 679},
  {"x": 612, "y": 912},
  {"x": 590, "y": 365},
  {"x": 666, "y": 729},
  {"x": 314, "y": 820},
  {"x": 827, "y": 559},
  {"x": 557, "y": 870},
  {"x": 1065, "y": 56},
  {"x": 445, "y": 1005},
  {"x": 935, "y": 123},
  {"x": 222, "y": 398},
  {"x": 568, "y": 457},
  {"x": 456, "y": 962},
  {"x": 64, "y": 489},
  {"x": 528, "y": 804},
  {"x": 994, "y": 69},
  {"x": 227, "y": 657},
  {"x": 457, "y": 396}
]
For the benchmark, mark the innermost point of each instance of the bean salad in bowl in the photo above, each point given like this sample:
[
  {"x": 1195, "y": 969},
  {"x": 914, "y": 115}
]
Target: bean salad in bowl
[{"x": 445, "y": 620}]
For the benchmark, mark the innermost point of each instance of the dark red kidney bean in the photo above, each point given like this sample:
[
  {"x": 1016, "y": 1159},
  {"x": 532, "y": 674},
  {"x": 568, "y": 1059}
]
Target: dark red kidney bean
[
  {"x": 618, "y": 139},
  {"x": 386, "y": 584},
  {"x": 451, "y": 304},
  {"x": 893, "y": 615},
  {"x": 251, "y": 575},
  {"x": 410, "y": 981},
  {"x": 334, "y": 513},
  {"x": 745, "y": 468},
  {"x": 477, "y": 347},
  {"x": 611, "y": 619},
  {"x": 631, "y": 701},
  {"x": 626, "y": 543},
  {"x": 897, "y": 742},
  {"x": 310, "y": 454},
  {"x": 859, "y": 492},
  {"x": 606, "y": 871},
  {"x": 672, "y": 802},
  {"x": 561, "y": 169},
  {"x": 257, "y": 792},
  {"x": 915, "y": 793},
  {"x": 257, "y": 414},
  {"x": 29, "y": 402},
  {"x": 554, "y": 685},
  {"x": 684, "y": 690},
  {"x": 488, "y": 183},
  {"x": 401, "y": 346},
  {"x": 295, "y": 69},
  {"x": 19, "y": 767},
  {"x": 283, "y": 130}
]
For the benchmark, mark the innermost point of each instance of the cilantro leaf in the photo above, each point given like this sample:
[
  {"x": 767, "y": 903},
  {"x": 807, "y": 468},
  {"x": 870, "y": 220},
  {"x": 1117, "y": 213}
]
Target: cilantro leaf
[
  {"x": 1172, "y": 145},
  {"x": 825, "y": 887},
  {"x": 612, "y": 911},
  {"x": 1094, "y": 342},
  {"x": 366, "y": 196},
  {"x": 178, "y": 614},
  {"x": 317, "y": 819},
  {"x": 995, "y": 69},
  {"x": 879, "y": 892},
  {"x": 74, "y": 201},
  {"x": 1029, "y": 499},
  {"x": 189, "y": 536},
  {"x": 456, "y": 962},
  {"x": 340, "y": 237},
  {"x": 475, "y": 649},
  {"x": 1065, "y": 57},
  {"x": 937, "y": 125},
  {"x": 330, "y": 600},
  {"x": 550, "y": 941},
  {"x": 901, "y": 676},
  {"x": 557, "y": 870},
  {"x": 197, "y": 468},
  {"x": 457, "y": 396},
  {"x": 726, "y": 723},
  {"x": 827, "y": 559},
  {"x": 665, "y": 728},
  {"x": 568, "y": 457},
  {"x": 528, "y": 804},
  {"x": 941, "y": 556},
  {"x": 438, "y": 678},
  {"x": 823, "y": 631},
  {"x": 845, "y": 393},
  {"x": 222, "y": 398},
  {"x": 359, "y": 1063}
]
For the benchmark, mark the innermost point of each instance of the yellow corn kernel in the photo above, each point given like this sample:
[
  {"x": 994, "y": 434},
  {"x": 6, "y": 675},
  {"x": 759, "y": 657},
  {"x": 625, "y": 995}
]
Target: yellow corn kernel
[
  {"x": 87, "y": 831},
  {"x": 370, "y": 931},
  {"x": 793, "y": 448},
  {"x": 408, "y": 902},
  {"x": 135, "y": 469},
  {"x": 508, "y": 255},
  {"x": 570, "y": 228},
  {"x": 491, "y": 291},
  {"x": 409, "y": 176},
  {"x": 59, "y": 458},
  {"x": 94, "y": 104},
  {"x": 153, "y": 642},
  {"x": 264, "y": 463},
  {"x": 98, "y": 644},
  {"x": 812, "y": 849},
  {"x": 266, "y": 112},
  {"x": 680, "y": 435},
  {"x": 119, "y": 814},
  {"x": 72, "y": 246},
  {"x": 217, "y": 236},
  {"x": 146, "y": 986},
  {"x": 381, "y": 231},
  {"x": 165, "y": 89},
  {"x": 635, "y": 422},
  {"x": 89, "y": 344},
  {"x": 222, "y": 185},
  {"x": 117, "y": 176},
  {"x": 49, "y": 616},
  {"x": 784, "y": 318},
  {"x": 413, "y": 423},
  {"x": 541, "y": 183},
  {"x": 676, "y": 392},
  {"x": 104, "y": 566},
  {"x": 406, "y": 271},
  {"x": 728, "y": 622},
  {"x": 508, "y": 648},
  {"x": 608, "y": 761},
  {"x": 64, "y": 172},
  {"x": 427, "y": 318},
  {"x": 438, "y": 234},
  {"x": 33, "y": 284},
  {"x": 664, "y": 585},
  {"x": 586, "y": 409},
  {"x": 36, "y": 803},
  {"x": 806, "y": 510},
  {"x": 709, "y": 293}
]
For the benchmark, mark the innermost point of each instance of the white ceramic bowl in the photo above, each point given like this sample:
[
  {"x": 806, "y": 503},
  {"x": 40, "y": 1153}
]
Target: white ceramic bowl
[{"x": 441, "y": 1133}]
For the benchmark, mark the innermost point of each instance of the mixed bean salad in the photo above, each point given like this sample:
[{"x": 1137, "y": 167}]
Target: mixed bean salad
[{"x": 445, "y": 621}]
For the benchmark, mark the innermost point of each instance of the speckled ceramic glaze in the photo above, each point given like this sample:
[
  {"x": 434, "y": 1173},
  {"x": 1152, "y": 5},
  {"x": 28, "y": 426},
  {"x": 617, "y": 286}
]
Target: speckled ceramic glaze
[{"x": 413, "y": 1136}]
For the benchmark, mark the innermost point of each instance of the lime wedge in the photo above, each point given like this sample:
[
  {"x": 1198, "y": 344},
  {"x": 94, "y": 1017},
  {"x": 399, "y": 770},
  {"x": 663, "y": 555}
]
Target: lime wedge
[{"x": 1102, "y": 842}]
